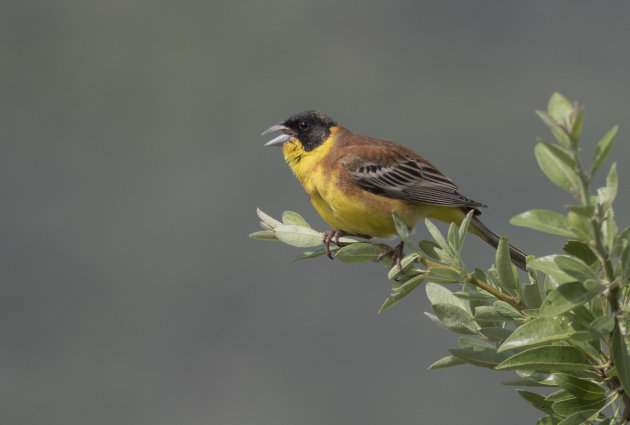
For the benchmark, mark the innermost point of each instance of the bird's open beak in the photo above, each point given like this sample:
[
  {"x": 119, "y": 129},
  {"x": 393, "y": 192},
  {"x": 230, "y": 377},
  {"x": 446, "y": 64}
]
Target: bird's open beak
[{"x": 280, "y": 140}]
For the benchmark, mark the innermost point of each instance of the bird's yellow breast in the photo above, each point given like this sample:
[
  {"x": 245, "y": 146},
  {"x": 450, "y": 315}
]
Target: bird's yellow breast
[{"x": 337, "y": 198}]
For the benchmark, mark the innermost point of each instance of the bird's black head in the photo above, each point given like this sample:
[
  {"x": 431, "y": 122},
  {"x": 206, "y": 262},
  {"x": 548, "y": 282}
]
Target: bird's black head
[{"x": 310, "y": 128}]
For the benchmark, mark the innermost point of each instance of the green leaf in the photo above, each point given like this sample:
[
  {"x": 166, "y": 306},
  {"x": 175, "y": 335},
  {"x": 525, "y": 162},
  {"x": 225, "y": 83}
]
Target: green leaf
[
  {"x": 433, "y": 251},
  {"x": 621, "y": 358},
  {"x": 586, "y": 347},
  {"x": 436, "y": 234},
  {"x": 480, "y": 275},
  {"x": 582, "y": 336},
  {"x": 580, "y": 418},
  {"x": 625, "y": 234},
  {"x": 604, "y": 147},
  {"x": 548, "y": 420},
  {"x": 266, "y": 221},
  {"x": 532, "y": 313},
  {"x": 602, "y": 326},
  {"x": 299, "y": 236},
  {"x": 548, "y": 266},
  {"x": 571, "y": 405},
  {"x": 463, "y": 228},
  {"x": 612, "y": 182},
  {"x": 582, "y": 251},
  {"x": 534, "y": 378},
  {"x": 401, "y": 292},
  {"x": 557, "y": 165},
  {"x": 403, "y": 231},
  {"x": 560, "y": 109},
  {"x": 454, "y": 319},
  {"x": 488, "y": 313},
  {"x": 314, "y": 253},
  {"x": 496, "y": 281},
  {"x": 484, "y": 357},
  {"x": 578, "y": 387},
  {"x": 544, "y": 221},
  {"x": 559, "y": 133},
  {"x": 496, "y": 334},
  {"x": 533, "y": 300},
  {"x": 507, "y": 310},
  {"x": 504, "y": 267},
  {"x": 558, "y": 395},
  {"x": 452, "y": 275},
  {"x": 581, "y": 317},
  {"x": 290, "y": 217},
  {"x": 609, "y": 230},
  {"x": 585, "y": 211},
  {"x": 567, "y": 296},
  {"x": 436, "y": 279},
  {"x": 406, "y": 278},
  {"x": 580, "y": 223},
  {"x": 591, "y": 375},
  {"x": 531, "y": 295},
  {"x": 575, "y": 268},
  {"x": 448, "y": 361},
  {"x": 536, "y": 400},
  {"x": 473, "y": 296},
  {"x": 606, "y": 195},
  {"x": 625, "y": 261},
  {"x": 264, "y": 235},
  {"x": 438, "y": 294},
  {"x": 538, "y": 331},
  {"x": 358, "y": 253},
  {"x": 467, "y": 341},
  {"x": 405, "y": 264},
  {"x": 599, "y": 306},
  {"x": 554, "y": 357},
  {"x": 611, "y": 239},
  {"x": 453, "y": 237},
  {"x": 549, "y": 284},
  {"x": 576, "y": 132},
  {"x": 565, "y": 114}
]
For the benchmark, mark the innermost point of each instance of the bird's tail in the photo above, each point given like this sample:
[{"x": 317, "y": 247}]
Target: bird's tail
[{"x": 479, "y": 229}]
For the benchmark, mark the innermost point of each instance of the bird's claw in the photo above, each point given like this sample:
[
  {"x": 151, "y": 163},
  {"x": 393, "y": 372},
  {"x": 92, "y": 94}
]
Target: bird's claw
[
  {"x": 397, "y": 255},
  {"x": 332, "y": 235}
]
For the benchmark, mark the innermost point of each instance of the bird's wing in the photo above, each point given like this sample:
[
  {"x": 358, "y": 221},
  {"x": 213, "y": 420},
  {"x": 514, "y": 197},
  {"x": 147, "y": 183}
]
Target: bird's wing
[{"x": 403, "y": 175}]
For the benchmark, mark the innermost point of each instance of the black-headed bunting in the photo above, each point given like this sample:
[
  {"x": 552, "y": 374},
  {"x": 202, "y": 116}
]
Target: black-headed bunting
[{"x": 357, "y": 182}]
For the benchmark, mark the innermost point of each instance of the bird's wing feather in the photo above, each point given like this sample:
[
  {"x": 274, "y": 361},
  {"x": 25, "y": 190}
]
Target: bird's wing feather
[{"x": 404, "y": 175}]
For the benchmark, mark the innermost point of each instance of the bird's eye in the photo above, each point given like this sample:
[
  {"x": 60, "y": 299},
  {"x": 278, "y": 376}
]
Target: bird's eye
[{"x": 303, "y": 125}]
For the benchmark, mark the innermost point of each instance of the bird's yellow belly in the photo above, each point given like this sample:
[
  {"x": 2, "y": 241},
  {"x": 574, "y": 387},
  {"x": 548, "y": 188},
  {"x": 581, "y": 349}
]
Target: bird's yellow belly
[{"x": 359, "y": 212}]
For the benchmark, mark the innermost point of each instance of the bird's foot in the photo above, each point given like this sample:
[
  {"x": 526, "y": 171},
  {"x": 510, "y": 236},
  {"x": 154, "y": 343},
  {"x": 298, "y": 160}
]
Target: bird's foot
[
  {"x": 332, "y": 235},
  {"x": 397, "y": 255}
]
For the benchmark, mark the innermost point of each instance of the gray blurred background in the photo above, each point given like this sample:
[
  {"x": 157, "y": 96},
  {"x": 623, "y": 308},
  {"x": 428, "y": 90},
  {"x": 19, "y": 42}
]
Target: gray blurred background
[{"x": 131, "y": 168}]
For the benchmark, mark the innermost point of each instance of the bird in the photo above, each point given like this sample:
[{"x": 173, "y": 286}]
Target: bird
[{"x": 356, "y": 183}]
